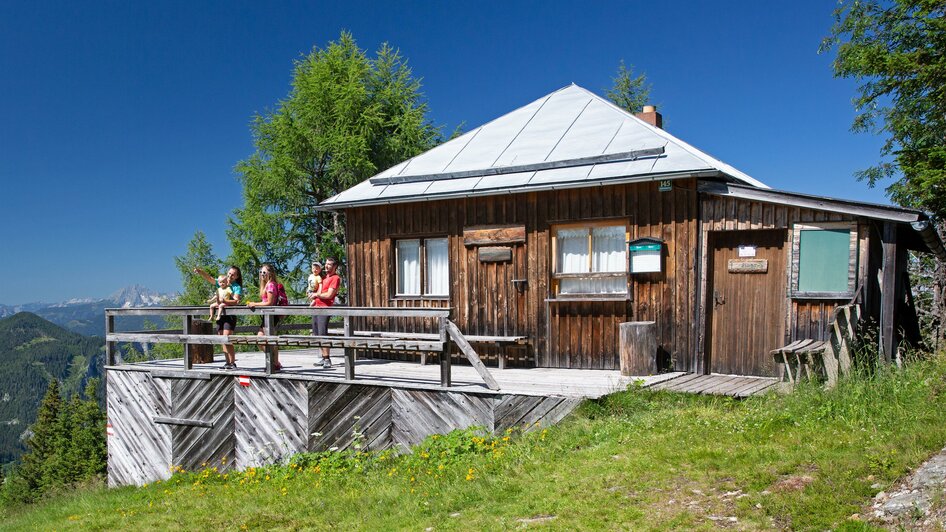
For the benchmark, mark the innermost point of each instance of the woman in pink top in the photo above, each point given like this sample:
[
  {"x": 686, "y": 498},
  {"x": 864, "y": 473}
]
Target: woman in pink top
[{"x": 268, "y": 294}]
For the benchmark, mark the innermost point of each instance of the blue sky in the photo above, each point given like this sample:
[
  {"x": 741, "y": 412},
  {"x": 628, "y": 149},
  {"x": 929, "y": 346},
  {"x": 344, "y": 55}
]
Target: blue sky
[{"x": 120, "y": 122}]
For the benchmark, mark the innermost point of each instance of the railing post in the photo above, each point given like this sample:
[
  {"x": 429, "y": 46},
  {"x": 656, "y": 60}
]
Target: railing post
[
  {"x": 444, "y": 353},
  {"x": 188, "y": 361},
  {"x": 110, "y": 347},
  {"x": 268, "y": 349},
  {"x": 349, "y": 351}
]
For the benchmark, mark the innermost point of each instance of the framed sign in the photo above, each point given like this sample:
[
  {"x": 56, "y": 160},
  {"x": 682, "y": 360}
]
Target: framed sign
[{"x": 646, "y": 255}]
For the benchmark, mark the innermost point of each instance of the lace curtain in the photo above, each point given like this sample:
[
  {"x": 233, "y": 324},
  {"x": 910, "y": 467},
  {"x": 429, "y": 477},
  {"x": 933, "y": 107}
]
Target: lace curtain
[{"x": 608, "y": 254}]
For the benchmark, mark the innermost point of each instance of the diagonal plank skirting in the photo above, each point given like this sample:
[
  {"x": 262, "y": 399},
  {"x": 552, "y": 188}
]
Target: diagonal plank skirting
[{"x": 160, "y": 421}]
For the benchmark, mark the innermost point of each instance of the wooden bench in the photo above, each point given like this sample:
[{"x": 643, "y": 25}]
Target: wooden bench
[
  {"x": 832, "y": 356},
  {"x": 501, "y": 341}
]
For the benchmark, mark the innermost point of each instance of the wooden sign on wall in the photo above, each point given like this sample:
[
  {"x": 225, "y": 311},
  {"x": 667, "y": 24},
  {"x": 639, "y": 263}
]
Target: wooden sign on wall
[
  {"x": 494, "y": 234},
  {"x": 748, "y": 265},
  {"x": 494, "y": 254}
]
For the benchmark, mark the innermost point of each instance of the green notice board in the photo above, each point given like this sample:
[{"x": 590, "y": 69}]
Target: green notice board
[{"x": 824, "y": 257}]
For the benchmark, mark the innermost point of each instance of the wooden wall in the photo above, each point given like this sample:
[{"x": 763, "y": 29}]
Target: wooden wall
[
  {"x": 804, "y": 318},
  {"x": 580, "y": 334}
]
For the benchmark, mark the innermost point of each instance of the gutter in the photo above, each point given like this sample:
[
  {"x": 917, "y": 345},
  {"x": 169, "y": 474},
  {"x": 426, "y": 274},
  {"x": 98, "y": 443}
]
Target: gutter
[{"x": 930, "y": 238}]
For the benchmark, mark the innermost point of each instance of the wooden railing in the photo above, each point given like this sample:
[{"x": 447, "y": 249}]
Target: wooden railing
[{"x": 350, "y": 340}]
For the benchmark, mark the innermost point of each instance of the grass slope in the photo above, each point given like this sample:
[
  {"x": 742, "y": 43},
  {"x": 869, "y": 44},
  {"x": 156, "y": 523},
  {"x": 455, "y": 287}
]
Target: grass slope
[{"x": 634, "y": 460}]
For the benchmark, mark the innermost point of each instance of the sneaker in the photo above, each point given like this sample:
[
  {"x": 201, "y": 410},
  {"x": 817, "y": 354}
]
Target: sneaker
[
  {"x": 326, "y": 362},
  {"x": 229, "y": 366}
]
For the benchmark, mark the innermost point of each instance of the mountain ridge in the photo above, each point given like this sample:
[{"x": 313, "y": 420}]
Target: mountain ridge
[
  {"x": 86, "y": 316},
  {"x": 35, "y": 351}
]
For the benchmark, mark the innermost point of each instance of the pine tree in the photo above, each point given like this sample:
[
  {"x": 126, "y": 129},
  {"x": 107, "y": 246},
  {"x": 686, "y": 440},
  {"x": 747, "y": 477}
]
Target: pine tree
[{"x": 45, "y": 441}]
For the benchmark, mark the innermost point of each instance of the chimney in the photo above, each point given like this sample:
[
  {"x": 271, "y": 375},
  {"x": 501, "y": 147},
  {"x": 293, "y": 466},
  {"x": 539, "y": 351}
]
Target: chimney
[{"x": 650, "y": 115}]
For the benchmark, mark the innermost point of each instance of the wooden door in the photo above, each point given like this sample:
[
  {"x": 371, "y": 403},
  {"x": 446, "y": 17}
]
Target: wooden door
[{"x": 745, "y": 301}]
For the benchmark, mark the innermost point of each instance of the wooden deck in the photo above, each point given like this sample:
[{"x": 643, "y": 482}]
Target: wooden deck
[
  {"x": 580, "y": 383},
  {"x": 300, "y": 365},
  {"x": 731, "y": 385}
]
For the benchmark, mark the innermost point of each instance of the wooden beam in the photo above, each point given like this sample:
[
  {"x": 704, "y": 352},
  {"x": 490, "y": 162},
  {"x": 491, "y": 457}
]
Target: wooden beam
[
  {"x": 188, "y": 360},
  {"x": 289, "y": 310},
  {"x": 268, "y": 349},
  {"x": 181, "y": 421},
  {"x": 445, "y": 361},
  {"x": 471, "y": 355},
  {"x": 349, "y": 351},
  {"x": 494, "y": 234},
  {"x": 359, "y": 342},
  {"x": 512, "y": 169},
  {"x": 888, "y": 293},
  {"x": 110, "y": 348}
]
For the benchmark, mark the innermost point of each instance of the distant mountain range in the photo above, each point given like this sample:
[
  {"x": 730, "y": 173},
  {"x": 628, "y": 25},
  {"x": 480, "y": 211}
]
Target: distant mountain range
[
  {"x": 87, "y": 316},
  {"x": 35, "y": 351}
]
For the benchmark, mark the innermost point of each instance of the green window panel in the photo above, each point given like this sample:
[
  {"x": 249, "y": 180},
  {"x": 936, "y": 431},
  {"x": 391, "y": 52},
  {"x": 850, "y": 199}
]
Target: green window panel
[{"x": 824, "y": 258}]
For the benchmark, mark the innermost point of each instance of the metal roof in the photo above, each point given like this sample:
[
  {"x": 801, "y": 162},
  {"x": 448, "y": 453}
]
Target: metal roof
[{"x": 569, "y": 138}]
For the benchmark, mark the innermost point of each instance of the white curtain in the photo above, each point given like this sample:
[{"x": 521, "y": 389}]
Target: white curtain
[
  {"x": 408, "y": 267},
  {"x": 438, "y": 269},
  {"x": 609, "y": 254},
  {"x": 573, "y": 258}
]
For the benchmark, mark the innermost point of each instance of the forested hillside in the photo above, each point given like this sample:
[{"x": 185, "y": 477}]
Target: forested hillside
[{"x": 33, "y": 352}]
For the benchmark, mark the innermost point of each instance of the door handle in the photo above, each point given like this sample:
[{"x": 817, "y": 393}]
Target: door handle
[{"x": 718, "y": 298}]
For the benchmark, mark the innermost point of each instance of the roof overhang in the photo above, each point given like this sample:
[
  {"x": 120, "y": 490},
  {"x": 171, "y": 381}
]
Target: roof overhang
[
  {"x": 794, "y": 199},
  {"x": 918, "y": 220}
]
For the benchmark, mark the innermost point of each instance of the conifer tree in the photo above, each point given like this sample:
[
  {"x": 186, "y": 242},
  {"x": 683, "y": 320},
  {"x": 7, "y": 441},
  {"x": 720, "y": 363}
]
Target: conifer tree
[{"x": 46, "y": 440}]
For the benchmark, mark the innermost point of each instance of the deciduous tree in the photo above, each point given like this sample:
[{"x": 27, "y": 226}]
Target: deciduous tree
[
  {"x": 896, "y": 51},
  {"x": 346, "y": 117}
]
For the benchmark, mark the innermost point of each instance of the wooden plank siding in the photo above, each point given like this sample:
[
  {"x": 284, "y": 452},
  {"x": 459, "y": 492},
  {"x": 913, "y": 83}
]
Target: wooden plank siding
[
  {"x": 805, "y": 318},
  {"x": 573, "y": 334}
]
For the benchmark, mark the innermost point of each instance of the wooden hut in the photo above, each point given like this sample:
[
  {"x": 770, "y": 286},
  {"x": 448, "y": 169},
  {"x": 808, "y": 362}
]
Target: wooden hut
[{"x": 546, "y": 228}]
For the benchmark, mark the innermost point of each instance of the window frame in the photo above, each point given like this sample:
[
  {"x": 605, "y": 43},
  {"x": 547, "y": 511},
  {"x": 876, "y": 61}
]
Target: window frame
[
  {"x": 556, "y": 276},
  {"x": 422, "y": 267},
  {"x": 795, "y": 262}
]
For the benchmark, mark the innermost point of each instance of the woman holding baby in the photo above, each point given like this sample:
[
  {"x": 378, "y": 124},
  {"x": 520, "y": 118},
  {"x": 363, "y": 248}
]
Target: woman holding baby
[{"x": 226, "y": 325}]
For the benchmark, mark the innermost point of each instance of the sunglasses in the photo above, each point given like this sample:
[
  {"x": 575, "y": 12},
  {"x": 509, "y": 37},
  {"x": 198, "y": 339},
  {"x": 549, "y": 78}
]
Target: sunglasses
[{"x": 263, "y": 272}]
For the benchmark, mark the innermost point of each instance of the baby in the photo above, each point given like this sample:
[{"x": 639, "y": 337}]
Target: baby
[{"x": 217, "y": 301}]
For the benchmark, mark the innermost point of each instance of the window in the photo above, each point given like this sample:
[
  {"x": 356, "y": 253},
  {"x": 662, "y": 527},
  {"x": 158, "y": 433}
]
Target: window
[
  {"x": 590, "y": 259},
  {"x": 824, "y": 260},
  {"x": 434, "y": 276}
]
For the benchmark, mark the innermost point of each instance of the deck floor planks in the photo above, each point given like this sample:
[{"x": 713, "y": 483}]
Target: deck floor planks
[
  {"x": 715, "y": 383},
  {"x": 731, "y": 386},
  {"x": 531, "y": 381},
  {"x": 751, "y": 387},
  {"x": 674, "y": 384},
  {"x": 758, "y": 389},
  {"x": 298, "y": 364},
  {"x": 707, "y": 381}
]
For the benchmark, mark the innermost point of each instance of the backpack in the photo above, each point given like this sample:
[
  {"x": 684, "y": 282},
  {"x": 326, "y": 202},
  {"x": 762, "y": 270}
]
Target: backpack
[{"x": 281, "y": 298}]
